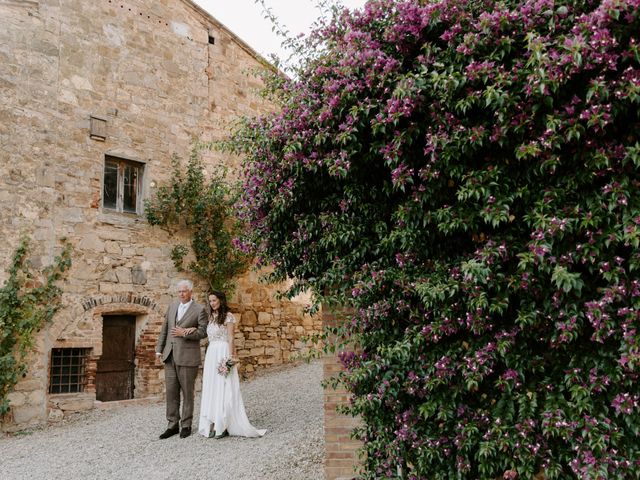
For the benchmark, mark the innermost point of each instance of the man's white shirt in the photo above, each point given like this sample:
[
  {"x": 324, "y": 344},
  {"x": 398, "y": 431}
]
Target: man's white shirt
[{"x": 182, "y": 308}]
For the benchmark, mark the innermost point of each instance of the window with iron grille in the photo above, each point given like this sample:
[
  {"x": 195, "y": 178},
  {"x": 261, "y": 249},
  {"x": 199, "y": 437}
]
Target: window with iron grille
[
  {"x": 122, "y": 185},
  {"x": 68, "y": 370}
]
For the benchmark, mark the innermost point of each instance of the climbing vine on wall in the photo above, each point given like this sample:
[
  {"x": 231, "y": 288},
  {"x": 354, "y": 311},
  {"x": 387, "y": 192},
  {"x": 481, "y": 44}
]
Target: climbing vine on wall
[
  {"x": 204, "y": 206},
  {"x": 28, "y": 300}
]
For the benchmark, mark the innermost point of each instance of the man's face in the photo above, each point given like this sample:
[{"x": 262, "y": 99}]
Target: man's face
[{"x": 184, "y": 294}]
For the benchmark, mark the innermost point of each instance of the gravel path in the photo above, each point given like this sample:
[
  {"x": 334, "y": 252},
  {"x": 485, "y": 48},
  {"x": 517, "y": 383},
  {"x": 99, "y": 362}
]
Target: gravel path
[{"x": 122, "y": 443}]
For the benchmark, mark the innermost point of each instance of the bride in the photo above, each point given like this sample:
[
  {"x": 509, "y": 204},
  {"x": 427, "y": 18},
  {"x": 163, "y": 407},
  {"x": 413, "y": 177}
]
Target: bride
[{"x": 221, "y": 408}]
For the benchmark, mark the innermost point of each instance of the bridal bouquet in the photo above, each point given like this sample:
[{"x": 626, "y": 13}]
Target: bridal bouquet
[{"x": 225, "y": 365}]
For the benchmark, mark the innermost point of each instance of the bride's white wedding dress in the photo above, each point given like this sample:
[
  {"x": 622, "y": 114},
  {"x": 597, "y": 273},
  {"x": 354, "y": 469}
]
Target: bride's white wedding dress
[{"x": 221, "y": 406}]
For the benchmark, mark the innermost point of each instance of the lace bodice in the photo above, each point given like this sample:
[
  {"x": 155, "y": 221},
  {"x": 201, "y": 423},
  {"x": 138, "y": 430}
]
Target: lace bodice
[{"x": 217, "y": 332}]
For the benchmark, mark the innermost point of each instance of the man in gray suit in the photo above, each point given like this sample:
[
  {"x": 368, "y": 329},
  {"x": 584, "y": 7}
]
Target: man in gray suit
[{"x": 185, "y": 323}]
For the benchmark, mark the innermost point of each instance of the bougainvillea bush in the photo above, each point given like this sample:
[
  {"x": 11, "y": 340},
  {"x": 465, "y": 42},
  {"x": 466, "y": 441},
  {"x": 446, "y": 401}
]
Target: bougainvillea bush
[{"x": 464, "y": 175}]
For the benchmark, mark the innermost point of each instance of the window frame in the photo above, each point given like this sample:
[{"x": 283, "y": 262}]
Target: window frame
[
  {"x": 68, "y": 358},
  {"x": 122, "y": 163}
]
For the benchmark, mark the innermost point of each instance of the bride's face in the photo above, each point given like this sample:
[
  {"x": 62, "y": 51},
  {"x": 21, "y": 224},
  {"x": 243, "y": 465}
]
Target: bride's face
[{"x": 214, "y": 302}]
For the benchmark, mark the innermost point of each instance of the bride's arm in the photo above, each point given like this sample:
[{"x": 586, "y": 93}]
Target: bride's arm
[{"x": 232, "y": 343}]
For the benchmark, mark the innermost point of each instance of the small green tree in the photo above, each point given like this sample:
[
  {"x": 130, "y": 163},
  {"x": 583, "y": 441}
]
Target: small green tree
[
  {"x": 28, "y": 300},
  {"x": 205, "y": 208}
]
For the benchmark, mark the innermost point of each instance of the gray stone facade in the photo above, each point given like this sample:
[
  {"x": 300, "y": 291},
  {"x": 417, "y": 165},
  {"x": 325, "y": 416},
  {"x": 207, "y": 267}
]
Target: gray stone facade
[{"x": 135, "y": 80}]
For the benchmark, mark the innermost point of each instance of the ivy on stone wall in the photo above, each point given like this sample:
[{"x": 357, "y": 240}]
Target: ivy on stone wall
[
  {"x": 205, "y": 208},
  {"x": 28, "y": 300}
]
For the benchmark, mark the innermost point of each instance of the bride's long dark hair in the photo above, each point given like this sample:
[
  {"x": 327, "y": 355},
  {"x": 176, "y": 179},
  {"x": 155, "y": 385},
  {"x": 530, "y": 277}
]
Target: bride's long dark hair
[{"x": 223, "y": 309}]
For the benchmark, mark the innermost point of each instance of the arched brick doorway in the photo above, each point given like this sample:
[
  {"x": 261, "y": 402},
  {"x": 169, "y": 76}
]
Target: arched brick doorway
[{"x": 126, "y": 357}]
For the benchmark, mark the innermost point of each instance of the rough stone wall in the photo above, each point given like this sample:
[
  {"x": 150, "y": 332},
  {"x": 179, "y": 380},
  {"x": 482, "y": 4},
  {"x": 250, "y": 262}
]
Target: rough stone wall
[
  {"x": 159, "y": 73},
  {"x": 269, "y": 332}
]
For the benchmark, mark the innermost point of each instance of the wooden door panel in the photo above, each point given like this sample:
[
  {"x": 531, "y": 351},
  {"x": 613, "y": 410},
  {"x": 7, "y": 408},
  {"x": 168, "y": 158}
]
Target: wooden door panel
[
  {"x": 116, "y": 368},
  {"x": 114, "y": 386}
]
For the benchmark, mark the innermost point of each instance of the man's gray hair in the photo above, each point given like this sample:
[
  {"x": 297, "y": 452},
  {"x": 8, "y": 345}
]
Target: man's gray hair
[{"x": 186, "y": 283}]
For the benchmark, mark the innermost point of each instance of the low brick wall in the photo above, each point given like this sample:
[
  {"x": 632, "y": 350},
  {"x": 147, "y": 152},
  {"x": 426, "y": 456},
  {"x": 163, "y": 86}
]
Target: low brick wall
[{"x": 341, "y": 458}]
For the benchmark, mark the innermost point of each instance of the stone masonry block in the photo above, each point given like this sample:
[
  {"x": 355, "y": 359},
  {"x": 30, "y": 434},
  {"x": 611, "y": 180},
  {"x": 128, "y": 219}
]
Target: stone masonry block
[{"x": 264, "y": 318}]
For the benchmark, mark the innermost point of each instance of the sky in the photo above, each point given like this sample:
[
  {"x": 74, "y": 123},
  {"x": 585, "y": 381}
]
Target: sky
[{"x": 246, "y": 20}]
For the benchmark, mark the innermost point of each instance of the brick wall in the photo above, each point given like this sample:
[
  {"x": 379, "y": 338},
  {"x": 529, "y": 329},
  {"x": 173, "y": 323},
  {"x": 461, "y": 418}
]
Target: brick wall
[{"x": 341, "y": 457}]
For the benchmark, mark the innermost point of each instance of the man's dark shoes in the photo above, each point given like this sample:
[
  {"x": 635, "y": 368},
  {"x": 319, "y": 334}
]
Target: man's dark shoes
[
  {"x": 169, "y": 432},
  {"x": 222, "y": 435},
  {"x": 185, "y": 432}
]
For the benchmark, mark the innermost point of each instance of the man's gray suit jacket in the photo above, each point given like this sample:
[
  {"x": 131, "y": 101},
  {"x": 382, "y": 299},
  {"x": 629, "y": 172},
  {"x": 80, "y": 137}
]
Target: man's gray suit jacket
[{"x": 186, "y": 350}]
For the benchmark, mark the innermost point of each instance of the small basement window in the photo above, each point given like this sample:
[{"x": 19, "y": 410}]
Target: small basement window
[{"x": 68, "y": 370}]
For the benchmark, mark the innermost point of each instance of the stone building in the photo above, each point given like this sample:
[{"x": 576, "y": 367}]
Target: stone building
[{"x": 96, "y": 98}]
